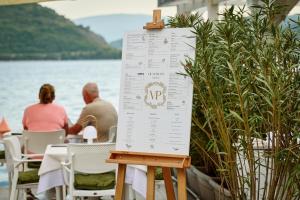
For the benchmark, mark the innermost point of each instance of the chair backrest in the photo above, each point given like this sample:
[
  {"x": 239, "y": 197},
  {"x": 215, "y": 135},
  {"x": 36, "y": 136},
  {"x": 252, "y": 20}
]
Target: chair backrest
[
  {"x": 12, "y": 151},
  {"x": 90, "y": 158},
  {"x": 36, "y": 142},
  {"x": 112, "y": 134},
  {"x": 89, "y": 133}
]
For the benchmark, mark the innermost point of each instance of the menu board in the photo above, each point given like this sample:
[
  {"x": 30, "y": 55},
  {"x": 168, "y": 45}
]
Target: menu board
[{"x": 155, "y": 97}]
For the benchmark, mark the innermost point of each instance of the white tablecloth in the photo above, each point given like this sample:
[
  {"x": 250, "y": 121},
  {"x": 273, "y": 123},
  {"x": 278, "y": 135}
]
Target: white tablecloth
[
  {"x": 54, "y": 155},
  {"x": 136, "y": 176},
  {"x": 51, "y": 174}
]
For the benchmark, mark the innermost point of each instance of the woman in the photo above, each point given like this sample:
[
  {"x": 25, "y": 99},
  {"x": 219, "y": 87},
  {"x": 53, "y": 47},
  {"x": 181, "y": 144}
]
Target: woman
[{"x": 45, "y": 116}]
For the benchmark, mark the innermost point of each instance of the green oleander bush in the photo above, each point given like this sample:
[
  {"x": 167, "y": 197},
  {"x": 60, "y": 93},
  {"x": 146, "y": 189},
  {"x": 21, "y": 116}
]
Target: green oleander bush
[{"x": 246, "y": 89}]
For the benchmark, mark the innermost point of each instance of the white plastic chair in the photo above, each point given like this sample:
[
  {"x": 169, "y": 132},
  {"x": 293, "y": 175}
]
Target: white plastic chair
[
  {"x": 15, "y": 160},
  {"x": 112, "y": 134},
  {"x": 88, "y": 159},
  {"x": 36, "y": 142},
  {"x": 89, "y": 133},
  {"x": 2, "y": 160},
  {"x": 89, "y": 120}
]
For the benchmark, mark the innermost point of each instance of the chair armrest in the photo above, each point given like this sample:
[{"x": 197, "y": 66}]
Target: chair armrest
[
  {"x": 66, "y": 171},
  {"x": 18, "y": 162},
  {"x": 65, "y": 163},
  {"x": 65, "y": 166},
  {"x": 32, "y": 155}
]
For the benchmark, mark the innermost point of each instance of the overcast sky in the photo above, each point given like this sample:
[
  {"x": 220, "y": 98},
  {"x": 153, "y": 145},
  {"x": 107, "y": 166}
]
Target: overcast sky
[
  {"x": 83, "y": 8},
  {"x": 74, "y": 9}
]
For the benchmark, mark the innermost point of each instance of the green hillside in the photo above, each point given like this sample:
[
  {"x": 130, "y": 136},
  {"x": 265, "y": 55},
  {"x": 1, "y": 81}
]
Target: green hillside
[
  {"x": 35, "y": 32},
  {"x": 117, "y": 44}
]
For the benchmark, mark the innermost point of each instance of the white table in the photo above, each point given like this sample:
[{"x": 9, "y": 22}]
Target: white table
[
  {"x": 137, "y": 179},
  {"x": 51, "y": 174}
]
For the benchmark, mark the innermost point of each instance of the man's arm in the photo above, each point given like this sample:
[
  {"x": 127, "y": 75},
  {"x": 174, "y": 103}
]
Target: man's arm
[{"x": 75, "y": 129}]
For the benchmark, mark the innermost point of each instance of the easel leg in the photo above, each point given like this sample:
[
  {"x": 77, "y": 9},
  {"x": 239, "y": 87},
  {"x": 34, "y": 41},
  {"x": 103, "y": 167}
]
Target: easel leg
[
  {"x": 168, "y": 183},
  {"x": 150, "y": 183},
  {"x": 182, "y": 195},
  {"x": 120, "y": 182}
]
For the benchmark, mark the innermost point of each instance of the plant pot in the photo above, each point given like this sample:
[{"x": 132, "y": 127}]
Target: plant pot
[
  {"x": 220, "y": 193},
  {"x": 198, "y": 182}
]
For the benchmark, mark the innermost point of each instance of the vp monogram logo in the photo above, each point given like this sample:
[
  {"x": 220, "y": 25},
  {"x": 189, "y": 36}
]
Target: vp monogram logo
[{"x": 155, "y": 94}]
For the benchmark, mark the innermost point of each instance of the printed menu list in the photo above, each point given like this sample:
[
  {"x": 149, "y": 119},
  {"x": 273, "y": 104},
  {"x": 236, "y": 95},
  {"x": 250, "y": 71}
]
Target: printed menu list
[{"x": 155, "y": 97}]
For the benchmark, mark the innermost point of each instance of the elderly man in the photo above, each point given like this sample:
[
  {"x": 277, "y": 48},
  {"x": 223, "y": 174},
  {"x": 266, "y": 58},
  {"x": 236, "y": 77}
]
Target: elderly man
[{"x": 105, "y": 113}]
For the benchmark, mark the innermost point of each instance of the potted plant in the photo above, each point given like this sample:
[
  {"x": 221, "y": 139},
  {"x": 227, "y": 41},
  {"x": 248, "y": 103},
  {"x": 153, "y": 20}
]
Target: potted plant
[{"x": 246, "y": 91}]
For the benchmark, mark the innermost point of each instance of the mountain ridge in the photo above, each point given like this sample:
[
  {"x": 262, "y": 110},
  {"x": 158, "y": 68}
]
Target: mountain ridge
[{"x": 113, "y": 26}]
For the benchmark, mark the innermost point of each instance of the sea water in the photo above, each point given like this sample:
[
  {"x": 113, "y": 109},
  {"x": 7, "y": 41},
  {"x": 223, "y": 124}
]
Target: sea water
[{"x": 20, "y": 82}]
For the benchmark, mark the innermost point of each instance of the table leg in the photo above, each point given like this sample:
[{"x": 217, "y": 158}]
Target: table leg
[
  {"x": 64, "y": 192},
  {"x": 58, "y": 193}
]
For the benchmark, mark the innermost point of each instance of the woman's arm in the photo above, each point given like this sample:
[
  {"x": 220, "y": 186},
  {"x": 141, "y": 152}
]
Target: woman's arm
[{"x": 66, "y": 127}]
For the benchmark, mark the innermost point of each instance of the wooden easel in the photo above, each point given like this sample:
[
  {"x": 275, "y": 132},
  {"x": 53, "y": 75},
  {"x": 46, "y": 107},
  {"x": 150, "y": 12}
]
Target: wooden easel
[
  {"x": 166, "y": 161},
  {"x": 157, "y": 22}
]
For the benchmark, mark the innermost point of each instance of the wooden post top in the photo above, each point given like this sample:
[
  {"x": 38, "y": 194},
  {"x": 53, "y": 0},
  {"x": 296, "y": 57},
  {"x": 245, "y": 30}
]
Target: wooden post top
[{"x": 157, "y": 23}]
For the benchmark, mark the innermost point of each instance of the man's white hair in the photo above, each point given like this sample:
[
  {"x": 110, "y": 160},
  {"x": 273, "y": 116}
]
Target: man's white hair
[{"x": 91, "y": 89}]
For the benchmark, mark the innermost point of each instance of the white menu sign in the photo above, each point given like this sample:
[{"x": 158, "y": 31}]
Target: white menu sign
[{"x": 155, "y": 100}]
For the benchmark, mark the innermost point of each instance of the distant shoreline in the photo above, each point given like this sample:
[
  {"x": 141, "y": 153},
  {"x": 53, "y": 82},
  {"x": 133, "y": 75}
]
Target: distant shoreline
[
  {"x": 61, "y": 56},
  {"x": 33, "y": 60},
  {"x": 8, "y": 60}
]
